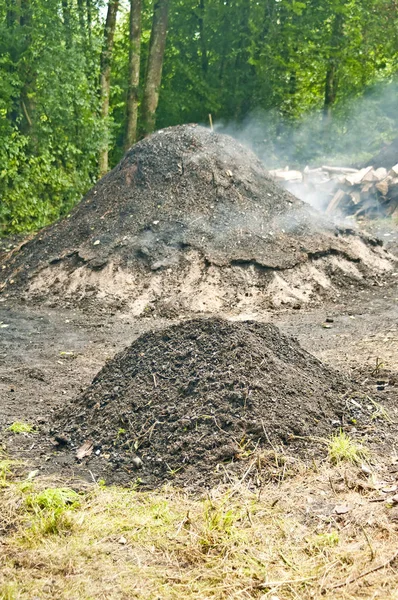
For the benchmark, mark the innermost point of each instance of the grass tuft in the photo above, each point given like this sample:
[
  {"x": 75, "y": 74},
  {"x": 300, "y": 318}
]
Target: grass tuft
[
  {"x": 342, "y": 448},
  {"x": 20, "y": 427},
  {"x": 53, "y": 508}
]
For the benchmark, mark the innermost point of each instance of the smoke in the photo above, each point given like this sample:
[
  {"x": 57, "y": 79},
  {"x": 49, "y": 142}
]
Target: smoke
[{"x": 358, "y": 129}]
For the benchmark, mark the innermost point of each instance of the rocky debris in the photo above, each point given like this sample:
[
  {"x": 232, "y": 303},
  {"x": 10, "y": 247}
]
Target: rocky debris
[
  {"x": 200, "y": 399},
  {"x": 189, "y": 221}
]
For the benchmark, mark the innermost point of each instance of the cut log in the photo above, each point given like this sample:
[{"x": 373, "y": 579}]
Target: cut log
[
  {"x": 382, "y": 186},
  {"x": 287, "y": 175},
  {"x": 339, "y": 169},
  {"x": 394, "y": 170},
  {"x": 370, "y": 177},
  {"x": 381, "y": 173},
  {"x": 335, "y": 201},
  {"x": 367, "y": 186},
  {"x": 355, "y": 196},
  {"x": 358, "y": 177}
]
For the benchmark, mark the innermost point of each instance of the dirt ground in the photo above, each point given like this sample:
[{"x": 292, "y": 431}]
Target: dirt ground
[
  {"x": 311, "y": 530},
  {"x": 48, "y": 356}
]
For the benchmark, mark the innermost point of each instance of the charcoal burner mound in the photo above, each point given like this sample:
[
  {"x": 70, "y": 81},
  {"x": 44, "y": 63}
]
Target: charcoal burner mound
[
  {"x": 189, "y": 221},
  {"x": 195, "y": 400}
]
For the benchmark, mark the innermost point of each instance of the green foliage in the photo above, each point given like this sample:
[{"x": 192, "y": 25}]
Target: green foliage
[
  {"x": 50, "y": 130},
  {"x": 52, "y": 509},
  {"x": 20, "y": 427},
  {"x": 301, "y": 80}
]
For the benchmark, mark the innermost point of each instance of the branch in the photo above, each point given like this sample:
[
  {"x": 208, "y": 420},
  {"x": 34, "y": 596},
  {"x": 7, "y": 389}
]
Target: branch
[{"x": 378, "y": 568}]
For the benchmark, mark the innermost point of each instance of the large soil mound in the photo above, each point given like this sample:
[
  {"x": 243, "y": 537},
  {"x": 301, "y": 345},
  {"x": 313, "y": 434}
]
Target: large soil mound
[
  {"x": 197, "y": 398},
  {"x": 189, "y": 220}
]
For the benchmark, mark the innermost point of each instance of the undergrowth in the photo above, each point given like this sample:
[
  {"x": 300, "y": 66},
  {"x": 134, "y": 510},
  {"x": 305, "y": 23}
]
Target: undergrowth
[{"x": 73, "y": 540}]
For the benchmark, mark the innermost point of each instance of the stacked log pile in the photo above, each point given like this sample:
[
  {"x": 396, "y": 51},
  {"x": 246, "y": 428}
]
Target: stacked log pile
[{"x": 369, "y": 192}]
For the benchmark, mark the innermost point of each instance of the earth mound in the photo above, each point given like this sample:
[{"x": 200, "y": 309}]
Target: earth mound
[
  {"x": 189, "y": 220},
  {"x": 199, "y": 398}
]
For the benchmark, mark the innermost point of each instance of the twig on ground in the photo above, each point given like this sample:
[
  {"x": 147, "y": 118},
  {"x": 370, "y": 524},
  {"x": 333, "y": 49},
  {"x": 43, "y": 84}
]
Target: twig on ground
[{"x": 365, "y": 573}]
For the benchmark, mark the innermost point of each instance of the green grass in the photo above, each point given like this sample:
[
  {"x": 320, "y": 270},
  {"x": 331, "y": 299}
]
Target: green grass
[
  {"x": 52, "y": 509},
  {"x": 235, "y": 543},
  {"x": 341, "y": 448},
  {"x": 20, "y": 427}
]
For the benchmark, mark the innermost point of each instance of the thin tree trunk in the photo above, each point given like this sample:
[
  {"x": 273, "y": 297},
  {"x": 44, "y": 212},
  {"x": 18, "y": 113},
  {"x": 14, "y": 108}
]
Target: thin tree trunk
[
  {"x": 331, "y": 80},
  {"x": 153, "y": 78},
  {"x": 224, "y": 51},
  {"x": 134, "y": 73},
  {"x": 89, "y": 19},
  {"x": 13, "y": 13},
  {"x": 27, "y": 95},
  {"x": 82, "y": 21},
  {"x": 66, "y": 14},
  {"x": 241, "y": 67},
  {"x": 330, "y": 89},
  {"x": 202, "y": 37},
  {"x": 105, "y": 76}
]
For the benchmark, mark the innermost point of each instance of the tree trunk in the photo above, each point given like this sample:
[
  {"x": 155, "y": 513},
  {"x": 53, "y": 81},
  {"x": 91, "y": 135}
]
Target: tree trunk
[
  {"x": 82, "y": 22},
  {"x": 331, "y": 80},
  {"x": 27, "y": 96},
  {"x": 330, "y": 89},
  {"x": 66, "y": 15},
  {"x": 105, "y": 76},
  {"x": 13, "y": 14},
  {"x": 202, "y": 37},
  {"x": 153, "y": 78},
  {"x": 89, "y": 19},
  {"x": 134, "y": 73}
]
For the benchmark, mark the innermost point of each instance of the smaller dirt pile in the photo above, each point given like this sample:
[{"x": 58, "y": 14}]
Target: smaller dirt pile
[{"x": 192, "y": 397}]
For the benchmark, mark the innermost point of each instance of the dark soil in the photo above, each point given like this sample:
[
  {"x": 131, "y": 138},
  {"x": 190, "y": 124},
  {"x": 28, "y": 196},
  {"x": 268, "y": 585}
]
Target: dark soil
[
  {"x": 197, "y": 395},
  {"x": 184, "y": 189}
]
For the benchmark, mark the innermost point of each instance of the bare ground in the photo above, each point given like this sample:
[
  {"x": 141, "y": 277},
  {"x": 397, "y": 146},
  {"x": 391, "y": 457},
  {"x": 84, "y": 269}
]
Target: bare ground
[
  {"x": 48, "y": 356},
  {"x": 309, "y": 531}
]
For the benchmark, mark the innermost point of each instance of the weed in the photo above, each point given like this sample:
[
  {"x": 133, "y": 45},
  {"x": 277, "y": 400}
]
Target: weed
[
  {"x": 52, "y": 508},
  {"x": 380, "y": 412},
  {"x": 342, "y": 448},
  {"x": 378, "y": 367},
  {"x": 218, "y": 528},
  {"x": 20, "y": 427},
  {"x": 5, "y": 470},
  {"x": 9, "y": 591},
  {"x": 322, "y": 541}
]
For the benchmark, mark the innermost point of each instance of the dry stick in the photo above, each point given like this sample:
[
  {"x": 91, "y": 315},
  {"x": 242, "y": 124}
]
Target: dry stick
[
  {"x": 25, "y": 111},
  {"x": 378, "y": 568},
  {"x": 211, "y": 122},
  {"x": 274, "y": 584},
  {"x": 372, "y": 552}
]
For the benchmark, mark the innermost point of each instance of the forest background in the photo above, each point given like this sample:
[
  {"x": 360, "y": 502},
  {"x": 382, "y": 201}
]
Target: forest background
[{"x": 82, "y": 80}]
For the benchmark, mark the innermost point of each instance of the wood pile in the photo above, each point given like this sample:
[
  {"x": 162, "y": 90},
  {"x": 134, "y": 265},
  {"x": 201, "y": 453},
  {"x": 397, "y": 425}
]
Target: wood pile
[{"x": 369, "y": 192}]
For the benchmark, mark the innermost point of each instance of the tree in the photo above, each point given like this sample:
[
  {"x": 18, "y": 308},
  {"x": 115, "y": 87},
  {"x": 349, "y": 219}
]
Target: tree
[
  {"x": 153, "y": 77},
  {"x": 105, "y": 77},
  {"x": 134, "y": 73}
]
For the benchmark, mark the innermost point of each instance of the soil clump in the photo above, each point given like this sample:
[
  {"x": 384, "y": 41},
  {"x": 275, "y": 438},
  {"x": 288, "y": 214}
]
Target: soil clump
[
  {"x": 196, "y": 400},
  {"x": 190, "y": 221}
]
